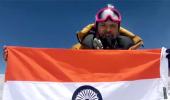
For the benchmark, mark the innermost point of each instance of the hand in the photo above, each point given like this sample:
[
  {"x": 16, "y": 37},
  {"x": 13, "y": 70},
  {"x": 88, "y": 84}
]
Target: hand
[
  {"x": 97, "y": 44},
  {"x": 5, "y": 53},
  {"x": 168, "y": 56}
]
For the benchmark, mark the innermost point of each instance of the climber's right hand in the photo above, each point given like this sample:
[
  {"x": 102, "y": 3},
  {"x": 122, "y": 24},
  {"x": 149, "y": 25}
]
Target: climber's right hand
[
  {"x": 97, "y": 44},
  {"x": 5, "y": 53}
]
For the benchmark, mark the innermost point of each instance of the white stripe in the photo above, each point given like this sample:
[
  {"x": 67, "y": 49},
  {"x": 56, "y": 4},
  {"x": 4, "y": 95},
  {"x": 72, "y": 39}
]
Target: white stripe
[
  {"x": 1, "y": 84},
  {"x": 149, "y": 89},
  {"x": 164, "y": 69}
]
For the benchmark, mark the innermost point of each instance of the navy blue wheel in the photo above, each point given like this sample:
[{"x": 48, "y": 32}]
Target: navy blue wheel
[{"x": 87, "y": 92}]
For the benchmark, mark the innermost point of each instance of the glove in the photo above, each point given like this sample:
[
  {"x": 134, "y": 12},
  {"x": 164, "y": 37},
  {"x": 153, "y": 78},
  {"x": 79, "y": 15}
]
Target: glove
[
  {"x": 5, "y": 53},
  {"x": 168, "y": 56},
  {"x": 97, "y": 44}
]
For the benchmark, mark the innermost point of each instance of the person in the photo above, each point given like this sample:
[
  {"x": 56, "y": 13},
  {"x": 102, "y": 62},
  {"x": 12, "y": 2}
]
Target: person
[{"x": 106, "y": 33}]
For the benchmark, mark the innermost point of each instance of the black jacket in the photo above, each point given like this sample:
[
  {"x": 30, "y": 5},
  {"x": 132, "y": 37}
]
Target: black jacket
[{"x": 121, "y": 42}]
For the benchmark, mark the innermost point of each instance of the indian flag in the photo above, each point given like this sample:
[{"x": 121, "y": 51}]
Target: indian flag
[{"x": 64, "y": 74}]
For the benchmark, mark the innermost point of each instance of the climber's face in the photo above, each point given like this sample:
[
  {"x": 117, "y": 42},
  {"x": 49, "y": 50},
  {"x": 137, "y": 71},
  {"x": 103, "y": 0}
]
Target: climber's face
[{"x": 107, "y": 29}]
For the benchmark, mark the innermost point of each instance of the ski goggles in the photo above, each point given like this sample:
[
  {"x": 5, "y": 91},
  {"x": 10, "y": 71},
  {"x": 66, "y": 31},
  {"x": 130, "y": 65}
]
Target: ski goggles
[{"x": 108, "y": 13}]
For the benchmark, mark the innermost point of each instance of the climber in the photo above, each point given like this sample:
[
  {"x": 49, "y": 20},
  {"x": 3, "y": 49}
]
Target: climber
[{"x": 106, "y": 33}]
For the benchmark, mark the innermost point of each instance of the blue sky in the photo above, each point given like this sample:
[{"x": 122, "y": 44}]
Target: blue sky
[{"x": 54, "y": 23}]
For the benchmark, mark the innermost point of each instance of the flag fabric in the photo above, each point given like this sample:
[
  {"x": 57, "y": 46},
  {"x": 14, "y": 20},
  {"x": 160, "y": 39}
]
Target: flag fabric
[
  {"x": 65, "y": 74},
  {"x": 1, "y": 84}
]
